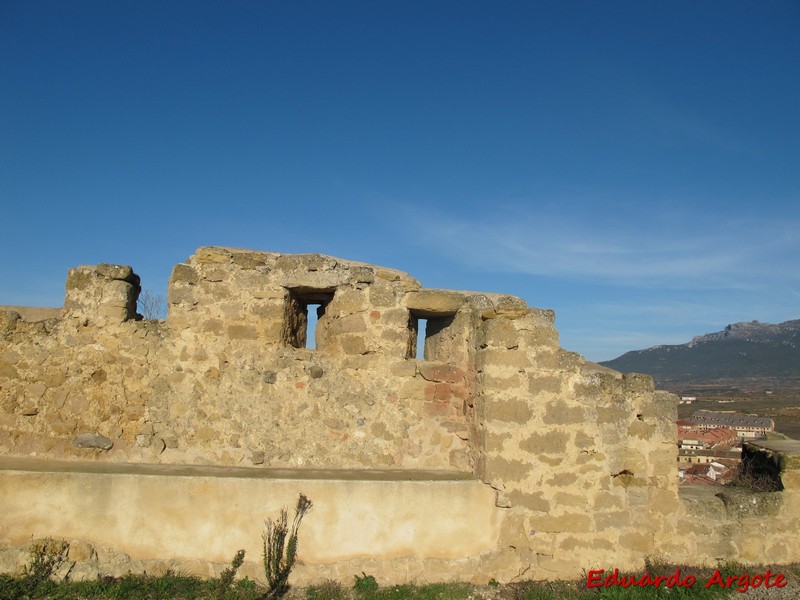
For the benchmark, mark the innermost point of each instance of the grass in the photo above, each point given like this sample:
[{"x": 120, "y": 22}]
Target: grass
[
  {"x": 367, "y": 587},
  {"x": 46, "y": 576}
]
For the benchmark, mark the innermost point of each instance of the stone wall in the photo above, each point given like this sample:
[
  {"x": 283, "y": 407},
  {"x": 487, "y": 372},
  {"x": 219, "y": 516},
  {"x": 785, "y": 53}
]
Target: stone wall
[
  {"x": 193, "y": 519},
  {"x": 750, "y": 526},
  {"x": 580, "y": 459}
]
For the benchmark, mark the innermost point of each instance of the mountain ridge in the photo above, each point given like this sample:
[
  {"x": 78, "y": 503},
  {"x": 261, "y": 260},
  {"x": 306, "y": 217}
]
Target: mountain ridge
[{"x": 748, "y": 353}]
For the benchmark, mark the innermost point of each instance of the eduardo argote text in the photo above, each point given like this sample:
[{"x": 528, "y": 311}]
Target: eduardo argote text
[{"x": 741, "y": 583}]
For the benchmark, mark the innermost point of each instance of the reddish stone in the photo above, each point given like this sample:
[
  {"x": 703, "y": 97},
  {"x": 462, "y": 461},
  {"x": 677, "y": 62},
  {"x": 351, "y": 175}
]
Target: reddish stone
[{"x": 440, "y": 373}]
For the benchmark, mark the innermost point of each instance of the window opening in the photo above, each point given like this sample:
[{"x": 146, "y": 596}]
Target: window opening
[
  {"x": 305, "y": 310},
  {"x": 429, "y": 337},
  {"x": 312, "y": 315},
  {"x": 422, "y": 332}
]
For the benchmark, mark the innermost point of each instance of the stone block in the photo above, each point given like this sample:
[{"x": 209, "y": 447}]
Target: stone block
[
  {"x": 209, "y": 255},
  {"x": 567, "y": 523},
  {"x": 662, "y": 460},
  {"x": 92, "y": 440},
  {"x": 509, "y": 307},
  {"x": 269, "y": 310},
  {"x": 181, "y": 294},
  {"x": 493, "y": 383},
  {"x": 432, "y": 371},
  {"x": 347, "y": 302},
  {"x": 242, "y": 332},
  {"x": 80, "y": 279},
  {"x": 616, "y": 414},
  {"x": 513, "y": 411},
  {"x": 544, "y": 384},
  {"x": 434, "y": 303},
  {"x": 118, "y": 293},
  {"x": 249, "y": 260},
  {"x": 63, "y": 427},
  {"x": 641, "y": 543},
  {"x": 7, "y": 370},
  {"x": 613, "y": 520},
  {"x": 551, "y": 442},
  {"x": 76, "y": 404},
  {"x": 271, "y": 332},
  {"x": 664, "y": 501},
  {"x": 561, "y": 413},
  {"x": 81, "y": 551},
  {"x": 404, "y": 368},
  {"x": 353, "y": 345},
  {"x": 206, "y": 434},
  {"x": 565, "y": 499},
  {"x": 641, "y": 429},
  {"x": 497, "y": 360},
  {"x": 305, "y": 262},
  {"x": 605, "y": 501},
  {"x": 117, "y": 272},
  {"x": 212, "y": 326},
  {"x": 362, "y": 275},
  {"x": 270, "y": 295},
  {"x": 442, "y": 392},
  {"x": 661, "y": 406},
  {"x": 503, "y": 469},
  {"x": 494, "y": 442},
  {"x": 637, "y": 383},
  {"x": 349, "y": 324},
  {"x": 500, "y": 333},
  {"x": 584, "y": 441},
  {"x": 8, "y": 321},
  {"x": 550, "y": 359},
  {"x": 382, "y": 295},
  {"x": 114, "y": 314},
  {"x": 531, "y": 500},
  {"x": 513, "y": 531},
  {"x": 562, "y": 479}
]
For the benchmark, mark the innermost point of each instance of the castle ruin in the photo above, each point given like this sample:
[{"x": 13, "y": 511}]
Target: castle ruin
[{"x": 165, "y": 444}]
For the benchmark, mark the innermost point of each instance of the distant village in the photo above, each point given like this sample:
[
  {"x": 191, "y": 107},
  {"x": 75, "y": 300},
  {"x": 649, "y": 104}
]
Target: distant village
[{"x": 710, "y": 443}]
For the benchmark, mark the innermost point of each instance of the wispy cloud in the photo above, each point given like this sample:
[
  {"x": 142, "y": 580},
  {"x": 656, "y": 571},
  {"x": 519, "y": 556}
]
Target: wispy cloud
[{"x": 630, "y": 247}]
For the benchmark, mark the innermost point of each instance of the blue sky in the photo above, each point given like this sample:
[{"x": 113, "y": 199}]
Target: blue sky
[{"x": 633, "y": 165}]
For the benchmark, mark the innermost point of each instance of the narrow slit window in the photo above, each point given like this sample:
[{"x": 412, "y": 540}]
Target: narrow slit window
[
  {"x": 305, "y": 312},
  {"x": 422, "y": 328},
  {"x": 430, "y": 336},
  {"x": 313, "y": 311}
]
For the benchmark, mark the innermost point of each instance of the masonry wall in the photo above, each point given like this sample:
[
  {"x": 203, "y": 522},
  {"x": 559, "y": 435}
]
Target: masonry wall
[
  {"x": 220, "y": 383},
  {"x": 580, "y": 459},
  {"x": 750, "y": 526}
]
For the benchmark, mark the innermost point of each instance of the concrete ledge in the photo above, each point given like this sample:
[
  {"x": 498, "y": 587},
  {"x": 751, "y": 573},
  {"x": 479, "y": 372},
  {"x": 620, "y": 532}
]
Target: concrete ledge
[
  {"x": 784, "y": 453},
  {"x": 38, "y": 465},
  {"x": 777, "y": 459},
  {"x": 207, "y": 513}
]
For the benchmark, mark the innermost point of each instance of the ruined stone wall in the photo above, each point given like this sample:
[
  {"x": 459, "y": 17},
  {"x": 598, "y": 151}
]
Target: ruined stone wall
[
  {"x": 746, "y": 524},
  {"x": 581, "y": 459},
  {"x": 220, "y": 381}
]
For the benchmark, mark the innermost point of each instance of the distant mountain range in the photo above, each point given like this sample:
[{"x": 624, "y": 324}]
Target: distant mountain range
[{"x": 743, "y": 355}]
